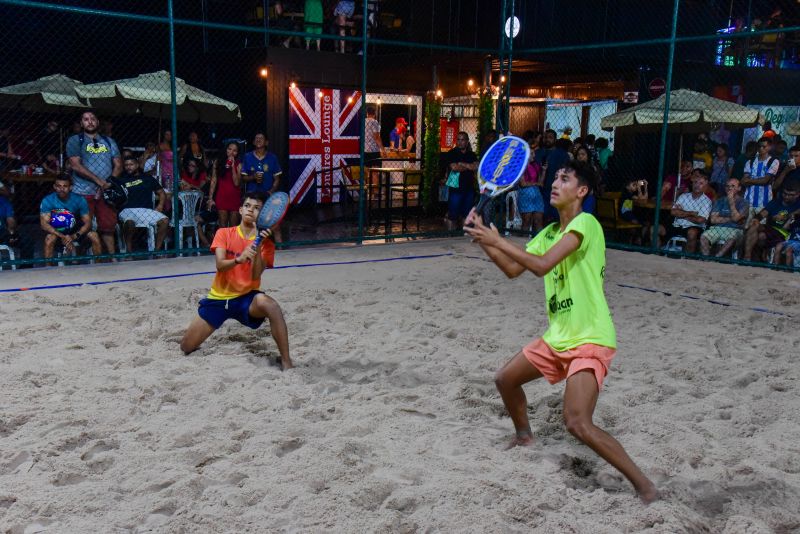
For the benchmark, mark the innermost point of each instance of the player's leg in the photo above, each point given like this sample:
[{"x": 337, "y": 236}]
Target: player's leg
[
  {"x": 509, "y": 380},
  {"x": 198, "y": 331},
  {"x": 263, "y": 306},
  {"x": 580, "y": 399}
]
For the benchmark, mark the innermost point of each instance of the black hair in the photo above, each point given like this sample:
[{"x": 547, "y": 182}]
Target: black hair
[
  {"x": 590, "y": 139},
  {"x": 187, "y": 161},
  {"x": 585, "y": 174},
  {"x": 563, "y": 144},
  {"x": 64, "y": 177},
  {"x": 765, "y": 140},
  {"x": 469, "y": 144},
  {"x": 782, "y": 142},
  {"x": 751, "y": 145},
  {"x": 601, "y": 142},
  {"x": 703, "y": 172},
  {"x": 792, "y": 184},
  {"x": 255, "y": 195},
  {"x": 370, "y": 110},
  {"x": 550, "y": 130},
  {"x": 724, "y": 146},
  {"x": 266, "y": 137},
  {"x": 795, "y": 148}
]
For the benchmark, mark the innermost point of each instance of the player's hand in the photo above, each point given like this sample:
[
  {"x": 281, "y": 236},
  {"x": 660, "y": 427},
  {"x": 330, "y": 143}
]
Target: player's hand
[
  {"x": 247, "y": 255},
  {"x": 482, "y": 234},
  {"x": 264, "y": 234},
  {"x": 471, "y": 217}
]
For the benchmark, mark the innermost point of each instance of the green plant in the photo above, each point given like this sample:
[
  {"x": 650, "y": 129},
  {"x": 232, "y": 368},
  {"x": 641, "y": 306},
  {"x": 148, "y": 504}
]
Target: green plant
[
  {"x": 430, "y": 173},
  {"x": 485, "y": 117}
]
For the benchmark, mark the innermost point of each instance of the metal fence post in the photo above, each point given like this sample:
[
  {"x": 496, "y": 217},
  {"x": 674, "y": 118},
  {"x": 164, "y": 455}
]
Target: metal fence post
[
  {"x": 665, "y": 127},
  {"x": 364, "y": 44},
  {"x": 176, "y": 177}
]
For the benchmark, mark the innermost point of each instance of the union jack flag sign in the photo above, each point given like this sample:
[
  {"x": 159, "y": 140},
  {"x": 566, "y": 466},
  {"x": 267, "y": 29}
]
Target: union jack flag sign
[{"x": 324, "y": 129}]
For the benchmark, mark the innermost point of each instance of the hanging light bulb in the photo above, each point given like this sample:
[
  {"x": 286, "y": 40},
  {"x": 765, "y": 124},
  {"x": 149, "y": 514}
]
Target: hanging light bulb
[{"x": 292, "y": 85}]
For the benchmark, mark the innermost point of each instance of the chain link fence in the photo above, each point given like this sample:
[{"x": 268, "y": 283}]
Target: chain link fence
[{"x": 141, "y": 143}]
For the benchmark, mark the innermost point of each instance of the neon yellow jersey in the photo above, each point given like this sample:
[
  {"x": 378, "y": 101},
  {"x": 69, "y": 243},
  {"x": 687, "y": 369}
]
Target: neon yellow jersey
[{"x": 576, "y": 304}]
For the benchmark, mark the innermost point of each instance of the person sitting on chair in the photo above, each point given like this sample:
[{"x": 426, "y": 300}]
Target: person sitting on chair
[
  {"x": 138, "y": 210},
  {"x": 691, "y": 212},
  {"x": 728, "y": 217},
  {"x": 65, "y": 218}
]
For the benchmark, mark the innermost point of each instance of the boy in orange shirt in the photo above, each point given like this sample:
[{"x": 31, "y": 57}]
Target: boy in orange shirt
[{"x": 235, "y": 292}]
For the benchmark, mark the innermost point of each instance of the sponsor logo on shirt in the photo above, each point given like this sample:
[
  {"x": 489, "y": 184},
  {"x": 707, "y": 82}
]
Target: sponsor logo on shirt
[
  {"x": 556, "y": 305},
  {"x": 99, "y": 149}
]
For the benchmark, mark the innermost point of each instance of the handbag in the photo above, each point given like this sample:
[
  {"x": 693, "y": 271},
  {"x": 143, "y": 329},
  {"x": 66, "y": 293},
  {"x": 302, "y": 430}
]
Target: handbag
[{"x": 452, "y": 179}]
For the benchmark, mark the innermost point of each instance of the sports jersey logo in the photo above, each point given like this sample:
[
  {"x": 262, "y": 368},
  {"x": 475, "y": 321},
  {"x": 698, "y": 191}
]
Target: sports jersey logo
[
  {"x": 96, "y": 148},
  {"x": 556, "y": 305}
]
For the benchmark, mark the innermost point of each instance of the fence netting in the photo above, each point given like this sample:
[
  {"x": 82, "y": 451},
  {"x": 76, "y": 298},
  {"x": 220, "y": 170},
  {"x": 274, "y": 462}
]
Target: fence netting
[{"x": 139, "y": 137}]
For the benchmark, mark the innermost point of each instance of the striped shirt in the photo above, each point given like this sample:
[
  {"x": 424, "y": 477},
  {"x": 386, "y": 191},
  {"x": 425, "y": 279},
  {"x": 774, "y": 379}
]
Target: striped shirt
[{"x": 759, "y": 195}]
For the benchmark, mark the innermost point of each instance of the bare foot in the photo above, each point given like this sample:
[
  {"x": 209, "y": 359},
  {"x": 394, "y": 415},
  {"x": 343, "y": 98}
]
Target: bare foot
[
  {"x": 648, "y": 494},
  {"x": 523, "y": 440}
]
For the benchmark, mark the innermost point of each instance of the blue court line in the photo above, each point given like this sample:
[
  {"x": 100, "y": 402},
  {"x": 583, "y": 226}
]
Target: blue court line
[
  {"x": 690, "y": 297},
  {"x": 183, "y": 275}
]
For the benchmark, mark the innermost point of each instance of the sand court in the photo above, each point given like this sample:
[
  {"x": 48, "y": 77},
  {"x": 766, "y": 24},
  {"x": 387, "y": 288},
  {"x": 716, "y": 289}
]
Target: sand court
[{"x": 391, "y": 422}]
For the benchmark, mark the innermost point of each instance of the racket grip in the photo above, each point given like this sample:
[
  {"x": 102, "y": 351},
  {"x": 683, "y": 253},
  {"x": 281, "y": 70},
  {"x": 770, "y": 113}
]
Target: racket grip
[
  {"x": 479, "y": 207},
  {"x": 257, "y": 242}
]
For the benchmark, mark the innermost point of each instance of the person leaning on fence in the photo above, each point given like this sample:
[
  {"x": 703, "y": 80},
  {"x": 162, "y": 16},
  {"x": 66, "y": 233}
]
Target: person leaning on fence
[
  {"x": 67, "y": 220},
  {"x": 768, "y": 229},
  {"x": 138, "y": 210},
  {"x": 94, "y": 159},
  {"x": 728, "y": 217},
  {"x": 691, "y": 212}
]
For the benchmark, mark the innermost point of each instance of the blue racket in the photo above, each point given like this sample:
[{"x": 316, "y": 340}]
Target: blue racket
[
  {"x": 271, "y": 214},
  {"x": 501, "y": 167}
]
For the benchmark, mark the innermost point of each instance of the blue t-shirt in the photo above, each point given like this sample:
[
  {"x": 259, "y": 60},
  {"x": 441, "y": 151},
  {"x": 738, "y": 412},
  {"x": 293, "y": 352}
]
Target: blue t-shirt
[
  {"x": 6, "y": 211},
  {"x": 723, "y": 208},
  {"x": 268, "y": 165},
  {"x": 779, "y": 213},
  {"x": 98, "y": 159},
  {"x": 65, "y": 215}
]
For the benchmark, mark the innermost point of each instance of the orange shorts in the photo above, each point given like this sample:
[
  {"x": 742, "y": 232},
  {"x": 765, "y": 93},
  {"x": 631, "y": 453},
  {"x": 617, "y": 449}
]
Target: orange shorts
[
  {"x": 556, "y": 366},
  {"x": 104, "y": 214}
]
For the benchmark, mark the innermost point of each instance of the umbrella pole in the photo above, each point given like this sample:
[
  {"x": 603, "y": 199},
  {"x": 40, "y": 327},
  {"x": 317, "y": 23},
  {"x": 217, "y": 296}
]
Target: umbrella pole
[
  {"x": 60, "y": 148},
  {"x": 680, "y": 163}
]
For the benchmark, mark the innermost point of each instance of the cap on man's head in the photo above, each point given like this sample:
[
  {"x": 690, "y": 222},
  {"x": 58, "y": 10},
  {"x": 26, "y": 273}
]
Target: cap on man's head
[{"x": 400, "y": 120}]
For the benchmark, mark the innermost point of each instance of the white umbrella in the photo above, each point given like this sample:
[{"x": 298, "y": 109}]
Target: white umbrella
[
  {"x": 150, "y": 95},
  {"x": 46, "y": 94},
  {"x": 689, "y": 112},
  {"x": 793, "y": 128}
]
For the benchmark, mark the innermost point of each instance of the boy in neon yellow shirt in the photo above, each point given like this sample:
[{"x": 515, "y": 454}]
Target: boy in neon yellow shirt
[
  {"x": 581, "y": 341},
  {"x": 235, "y": 292}
]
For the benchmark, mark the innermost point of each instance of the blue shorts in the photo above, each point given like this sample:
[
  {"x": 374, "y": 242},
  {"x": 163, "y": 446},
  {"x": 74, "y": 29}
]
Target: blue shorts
[
  {"x": 459, "y": 203},
  {"x": 215, "y": 312},
  {"x": 529, "y": 200}
]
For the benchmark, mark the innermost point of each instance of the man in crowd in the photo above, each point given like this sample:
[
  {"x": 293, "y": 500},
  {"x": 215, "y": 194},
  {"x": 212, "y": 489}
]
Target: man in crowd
[
  {"x": 728, "y": 217},
  {"x": 691, "y": 212},
  {"x": 94, "y": 159},
  {"x": 749, "y": 153},
  {"x": 373, "y": 145},
  {"x": 759, "y": 173},
  {"x": 261, "y": 171},
  {"x": 556, "y": 159},
  {"x": 790, "y": 169},
  {"x": 768, "y": 229},
  {"x": 138, "y": 210},
  {"x": 66, "y": 219},
  {"x": 701, "y": 158},
  {"x": 548, "y": 140},
  {"x": 8, "y": 224}
]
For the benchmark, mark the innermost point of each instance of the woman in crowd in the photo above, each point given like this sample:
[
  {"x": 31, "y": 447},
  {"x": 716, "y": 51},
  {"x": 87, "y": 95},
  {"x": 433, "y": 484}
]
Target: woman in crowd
[
  {"x": 194, "y": 150},
  {"x": 225, "y": 189},
  {"x": 165, "y": 161},
  {"x": 721, "y": 169},
  {"x": 529, "y": 197},
  {"x": 193, "y": 178}
]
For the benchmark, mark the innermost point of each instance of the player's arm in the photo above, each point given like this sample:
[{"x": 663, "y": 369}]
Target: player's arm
[
  {"x": 224, "y": 264},
  {"x": 538, "y": 265}
]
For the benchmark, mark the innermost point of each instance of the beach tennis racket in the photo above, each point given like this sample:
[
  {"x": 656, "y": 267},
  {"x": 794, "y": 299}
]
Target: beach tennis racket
[
  {"x": 271, "y": 214},
  {"x": 501, "y": 167}
]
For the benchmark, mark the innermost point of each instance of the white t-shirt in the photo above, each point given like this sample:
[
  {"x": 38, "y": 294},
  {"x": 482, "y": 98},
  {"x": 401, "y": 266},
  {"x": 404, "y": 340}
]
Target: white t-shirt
[{"x": 702, "y": 205}]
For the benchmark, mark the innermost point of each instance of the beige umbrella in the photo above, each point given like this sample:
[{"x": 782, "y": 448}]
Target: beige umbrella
[
  {"x": 793, "y": 128},
  {"x": 44, "y": 95},
  {"x": 689, "y": 111},
  {"x": 150, "y": 95}
]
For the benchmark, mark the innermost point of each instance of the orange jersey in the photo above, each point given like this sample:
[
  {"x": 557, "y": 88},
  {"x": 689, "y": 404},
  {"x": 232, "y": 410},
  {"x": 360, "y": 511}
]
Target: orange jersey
[{"x": 237, "y": 281}]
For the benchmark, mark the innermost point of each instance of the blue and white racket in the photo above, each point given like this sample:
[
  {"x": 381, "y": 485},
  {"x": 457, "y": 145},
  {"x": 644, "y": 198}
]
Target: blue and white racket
[
  {"x": 501, "y": 167},
  {"x": 271, "y": 214}
]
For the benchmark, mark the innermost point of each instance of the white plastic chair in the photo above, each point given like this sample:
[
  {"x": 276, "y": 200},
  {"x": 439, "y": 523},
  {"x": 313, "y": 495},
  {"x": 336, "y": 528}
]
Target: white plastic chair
[
  {"x": 675, "y": 244},
  {"x": 11, "y": 256},
  {"x": 513, "y": 222},
  {"x": 189, "y": 202}
]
